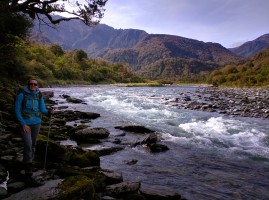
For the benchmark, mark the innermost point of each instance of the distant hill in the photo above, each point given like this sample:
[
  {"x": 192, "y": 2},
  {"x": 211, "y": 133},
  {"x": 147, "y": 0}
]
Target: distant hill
[{"x": 250, "y": 48}]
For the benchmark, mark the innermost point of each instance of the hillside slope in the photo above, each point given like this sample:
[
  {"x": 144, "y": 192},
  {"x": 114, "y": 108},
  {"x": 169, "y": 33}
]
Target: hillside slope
[
  {"x": 253, "y": 72},
  {"x": 250, "y": 48},
  {"x": 93, "y": 40},
  {"x": 155, "y": 47}
]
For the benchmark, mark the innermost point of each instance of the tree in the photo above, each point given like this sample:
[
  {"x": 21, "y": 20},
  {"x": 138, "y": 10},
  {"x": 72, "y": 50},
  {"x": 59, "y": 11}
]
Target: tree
[
  {"x": 90, "y": 12},
  {"x": 16, "y": 18},
  {"x": 13, "y": 30},
  {"x": 80, "y": 55},
  {"x": 57, "y": 50}
]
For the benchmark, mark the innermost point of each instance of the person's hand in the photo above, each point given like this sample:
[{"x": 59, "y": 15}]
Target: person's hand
[
  {"x": 51, "y": 110},
  {"x": 26, "y": 129}
]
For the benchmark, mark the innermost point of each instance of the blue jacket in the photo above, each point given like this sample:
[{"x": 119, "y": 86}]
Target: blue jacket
[{"x": 28, "y": 111}]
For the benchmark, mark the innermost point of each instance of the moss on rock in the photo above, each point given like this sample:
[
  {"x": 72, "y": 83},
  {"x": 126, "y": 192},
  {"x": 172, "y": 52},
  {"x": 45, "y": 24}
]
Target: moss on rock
[
  {"x": 55, "y": 151},
  {"x": 88, "y": 158},
  {"x": 77, "y": 187}
]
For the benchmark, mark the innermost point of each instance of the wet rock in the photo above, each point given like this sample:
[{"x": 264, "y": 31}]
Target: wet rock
[
  {"x": 122, "y": 188},
  {"x": 151, "y": 142},
  {"x": 151, "y": 139},
  {"x": 62, "y": 107},
  {"x": 130, "y": 162},
  {"x": 187, "y": 98},
  {"x": 47, "y": 95},
  {"x": 87, "y": 115},
  {"x": 89, "y": 134},
  {"x": 89, "y": 158},
  {"x": 108, "y": 150},
  {"x": 58, "y": 122},
  {"x": 47, "y": 191},
  {"x": 76, "y": 187},
  {"x": 55, "y": 151},
  {"x": 107, "y": 198},
  {"x": 117, "y": 141},
  {"x": 155, "y": 148},
  {"x": 159, "y": 193},
  {"x": 135, "y": 129},
  {"x": 73, "y": 100},
  {"x": 112, "y": 177},
  {"x": 70, "y": 115}
]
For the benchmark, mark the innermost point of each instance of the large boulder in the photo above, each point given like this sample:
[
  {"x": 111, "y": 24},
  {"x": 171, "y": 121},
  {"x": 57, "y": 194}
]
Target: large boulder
[
  {"x": 90, "y": 134},
  {"x": 55, "y": 151}
]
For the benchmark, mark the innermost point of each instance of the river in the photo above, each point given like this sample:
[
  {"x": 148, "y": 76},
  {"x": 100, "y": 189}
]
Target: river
[{"x": 210, "y": 156}]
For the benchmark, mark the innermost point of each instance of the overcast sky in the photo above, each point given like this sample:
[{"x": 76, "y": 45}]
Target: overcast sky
[{"x": 228, "y": 22}]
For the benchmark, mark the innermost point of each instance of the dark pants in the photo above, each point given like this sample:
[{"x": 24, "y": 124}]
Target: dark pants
[{"x": 29, "y": 140}]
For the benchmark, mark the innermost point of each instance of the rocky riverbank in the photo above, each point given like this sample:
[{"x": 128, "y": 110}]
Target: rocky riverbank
[
  {"x": 70, "y": 172},
  {"x": 243, "y": 102}
]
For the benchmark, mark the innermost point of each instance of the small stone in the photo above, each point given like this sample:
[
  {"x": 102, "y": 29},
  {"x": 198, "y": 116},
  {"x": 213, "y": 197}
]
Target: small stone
[{"x": 15, "y": 187}]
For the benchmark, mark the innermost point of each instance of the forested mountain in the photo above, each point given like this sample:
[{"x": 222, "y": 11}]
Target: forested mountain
[
  {"x": 250, "y": 48},
  {"x": 155, "y": 47},
  {"x": 137, "y": 48}
]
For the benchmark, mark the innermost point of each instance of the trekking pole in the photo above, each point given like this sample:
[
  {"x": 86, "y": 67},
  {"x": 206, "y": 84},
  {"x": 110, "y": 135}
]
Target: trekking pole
[{"x": 46, "y": 152}]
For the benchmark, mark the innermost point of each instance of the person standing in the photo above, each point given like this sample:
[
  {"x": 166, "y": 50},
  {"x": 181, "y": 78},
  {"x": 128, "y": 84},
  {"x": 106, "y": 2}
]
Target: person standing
[{"x": 29, "y": 106}]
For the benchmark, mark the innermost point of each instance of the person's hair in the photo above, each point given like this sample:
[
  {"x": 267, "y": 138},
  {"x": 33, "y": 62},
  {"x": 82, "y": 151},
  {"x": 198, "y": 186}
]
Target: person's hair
[{"x": 30, "y": 79}]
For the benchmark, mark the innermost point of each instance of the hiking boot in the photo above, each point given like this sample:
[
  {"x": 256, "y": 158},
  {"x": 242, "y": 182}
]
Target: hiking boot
[
  {"x": 32, "y": 182},
  {"x": 28, "y": 170},
  {"x": 34, "y": 169}
]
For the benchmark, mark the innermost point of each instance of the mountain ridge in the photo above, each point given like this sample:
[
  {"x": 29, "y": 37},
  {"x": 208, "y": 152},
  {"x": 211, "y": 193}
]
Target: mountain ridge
[{"x": 251, "y": 48}]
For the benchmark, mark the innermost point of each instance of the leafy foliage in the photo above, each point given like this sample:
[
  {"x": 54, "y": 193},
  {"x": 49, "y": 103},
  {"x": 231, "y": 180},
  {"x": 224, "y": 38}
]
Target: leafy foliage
[
  {"x": 254, "y": 72},
  {"x": 51, "y": 63},
  {"x": 13, "y": 30}
]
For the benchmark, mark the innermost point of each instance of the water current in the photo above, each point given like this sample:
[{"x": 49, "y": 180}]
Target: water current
[{"x": 210, "y": 156}]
